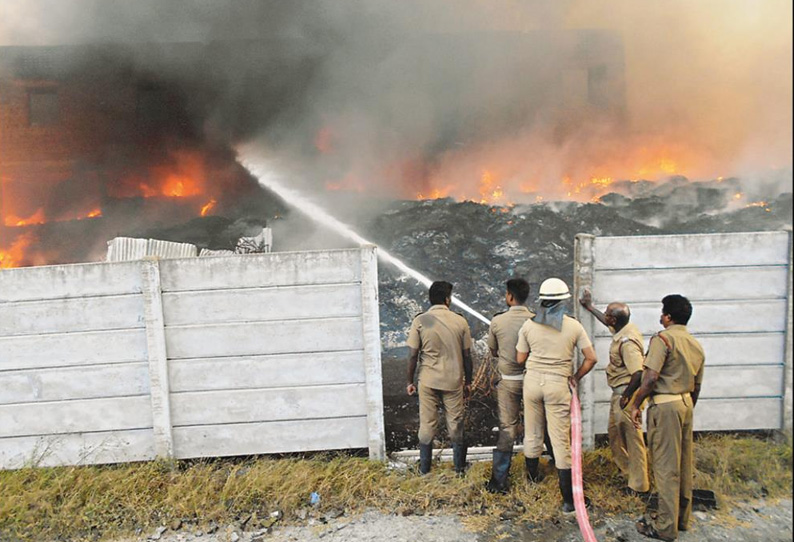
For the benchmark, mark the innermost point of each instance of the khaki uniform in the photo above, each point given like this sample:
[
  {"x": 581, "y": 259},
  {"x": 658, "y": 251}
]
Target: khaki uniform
[
  {"x": 441, "y": 336},
  {"x": 679, "y": 359},
  {"x": 547, "y": 398},
  {"x": 502, "y": 337},
  {"x": 625, "y": 440}
]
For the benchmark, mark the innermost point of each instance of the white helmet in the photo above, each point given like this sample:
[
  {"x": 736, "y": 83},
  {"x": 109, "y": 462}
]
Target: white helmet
[{"x": 553, "y": 289}]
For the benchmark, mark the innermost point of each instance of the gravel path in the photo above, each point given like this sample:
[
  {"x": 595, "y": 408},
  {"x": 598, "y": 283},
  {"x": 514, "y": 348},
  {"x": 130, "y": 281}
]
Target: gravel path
[{"x": 768, "y": 521}]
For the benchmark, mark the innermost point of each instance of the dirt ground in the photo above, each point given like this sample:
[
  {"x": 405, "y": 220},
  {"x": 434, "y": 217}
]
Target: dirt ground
[{"x": 761, "y": 520}]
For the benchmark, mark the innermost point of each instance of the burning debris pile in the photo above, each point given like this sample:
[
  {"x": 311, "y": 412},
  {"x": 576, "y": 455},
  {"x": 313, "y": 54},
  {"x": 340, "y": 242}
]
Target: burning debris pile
[{"x": 478, "y": 247}]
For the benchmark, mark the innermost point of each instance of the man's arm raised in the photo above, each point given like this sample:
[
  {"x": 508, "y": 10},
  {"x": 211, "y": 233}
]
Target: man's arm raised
[{"x": 587, "y": 302}]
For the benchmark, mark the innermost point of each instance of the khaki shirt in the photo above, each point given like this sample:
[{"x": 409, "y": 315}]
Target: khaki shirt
[
  {"x": 678, "y": 358},
  {"x": 441, "y": 336},
  {"x": 625, "y": 356},
  {"x": 503, "y": 336},
  {"x": 551, "y": 351}
]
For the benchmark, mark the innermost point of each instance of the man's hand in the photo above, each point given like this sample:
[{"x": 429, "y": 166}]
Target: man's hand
[
  {"x": 466, "y": 391},
  {"x": 573, "y": 382},
  {"x": 636, "y": 416},
  {"x": 410, "y": 389},
  {"x": 586, "y": 300}
]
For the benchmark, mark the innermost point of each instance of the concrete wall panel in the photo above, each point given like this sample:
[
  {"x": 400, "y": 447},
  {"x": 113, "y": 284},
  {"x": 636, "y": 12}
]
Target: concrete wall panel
[
  {"x": 739, "y": 287},
  {"x": 126, "y": 361}
]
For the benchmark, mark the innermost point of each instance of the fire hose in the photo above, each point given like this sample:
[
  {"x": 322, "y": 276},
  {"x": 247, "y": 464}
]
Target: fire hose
[{"x": 576, "y": 468}]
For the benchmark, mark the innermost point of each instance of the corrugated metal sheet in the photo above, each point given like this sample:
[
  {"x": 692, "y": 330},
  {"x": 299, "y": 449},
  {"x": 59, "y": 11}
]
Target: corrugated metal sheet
[
  {"x": 123, "y": 249},
  {"x": 167, "y": 249}
]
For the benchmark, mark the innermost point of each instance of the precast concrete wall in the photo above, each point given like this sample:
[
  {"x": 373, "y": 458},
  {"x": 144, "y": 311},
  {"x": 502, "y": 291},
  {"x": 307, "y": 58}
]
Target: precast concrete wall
[
  {"x": 196, "y": 357},
  {"x": 740, "y": 288}
]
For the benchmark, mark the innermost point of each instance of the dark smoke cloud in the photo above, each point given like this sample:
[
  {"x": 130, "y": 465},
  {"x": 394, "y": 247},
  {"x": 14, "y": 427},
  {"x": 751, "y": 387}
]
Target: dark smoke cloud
[{"x": 407, "y": 97}]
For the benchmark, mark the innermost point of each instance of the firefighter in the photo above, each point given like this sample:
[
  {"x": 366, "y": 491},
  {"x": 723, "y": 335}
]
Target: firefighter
[
  {"x": 671, "y": 379},
  {"x": 440, "y": 343},
  {"x": 623, "y": 376},
  {"x": 546, "y": 344},
  {"x": 502, "y": 339}
]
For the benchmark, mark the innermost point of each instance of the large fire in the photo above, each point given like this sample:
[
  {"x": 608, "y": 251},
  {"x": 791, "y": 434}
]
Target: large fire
[
  {"x": 15, "y": 254},
  {"x": 519, "y": 173},
  {"x": 184, "y": 175}
]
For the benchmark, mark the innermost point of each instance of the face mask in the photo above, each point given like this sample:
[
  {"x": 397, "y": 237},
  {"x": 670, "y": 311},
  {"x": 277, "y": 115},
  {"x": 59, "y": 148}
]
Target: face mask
[{"x": 550, "y": 316}]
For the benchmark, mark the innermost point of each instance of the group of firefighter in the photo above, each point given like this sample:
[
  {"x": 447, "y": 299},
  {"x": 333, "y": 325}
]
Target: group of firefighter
[{"x": 535, "y": 352}]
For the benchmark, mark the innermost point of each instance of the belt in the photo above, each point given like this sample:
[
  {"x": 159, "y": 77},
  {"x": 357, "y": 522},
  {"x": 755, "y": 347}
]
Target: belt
[
  {"x": 663, "y": 398},
  {"x": 547, "y": 373},
  {"x": 511, "y": 377}
]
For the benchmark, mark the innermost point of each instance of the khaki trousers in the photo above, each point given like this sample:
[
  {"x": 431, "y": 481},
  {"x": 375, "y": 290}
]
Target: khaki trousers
[
  {"x": 430, "y": 400},
  {"x": 670, "y": 442},
  {"x": 628, "y": 446},
  {"x": 547, "y": 401},
  {"x": 508, "y": 395}
]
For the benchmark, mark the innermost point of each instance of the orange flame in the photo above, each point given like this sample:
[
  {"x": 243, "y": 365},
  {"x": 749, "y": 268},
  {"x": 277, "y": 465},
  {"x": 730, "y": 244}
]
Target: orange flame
[
  {"x": 13, "y": 256},
  {"x": 763, "y": 204},
  {"x": 208, "y": 207},
  {"x": 490, "y": 192},
  {"x": 436, "y": 193},
  {"x": 94, "y": 214},
  {"x": 185, "y": 176},
  {"x": 35, "y": 218}
]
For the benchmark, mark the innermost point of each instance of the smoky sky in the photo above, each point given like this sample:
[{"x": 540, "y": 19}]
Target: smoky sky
[{"x": 411, "y": 96}]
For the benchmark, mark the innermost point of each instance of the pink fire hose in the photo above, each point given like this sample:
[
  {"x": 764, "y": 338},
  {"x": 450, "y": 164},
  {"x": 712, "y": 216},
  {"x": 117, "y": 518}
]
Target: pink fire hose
[{"x": 576, "y": 468}]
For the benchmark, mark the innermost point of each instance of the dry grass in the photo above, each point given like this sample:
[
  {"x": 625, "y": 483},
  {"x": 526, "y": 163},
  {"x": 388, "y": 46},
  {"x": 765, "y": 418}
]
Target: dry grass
[{"x": 103, "y": 501}]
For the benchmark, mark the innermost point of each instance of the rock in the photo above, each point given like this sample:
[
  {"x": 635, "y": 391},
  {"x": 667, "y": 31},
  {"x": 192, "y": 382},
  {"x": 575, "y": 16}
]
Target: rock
[
  {"x": 405, "y": 511},
  {"x": 333, "y": 513},
  {"x": 508, "y": 514},
  {"x": 158, "y": 533},
  {"x": 266, "y": 523},
  {"x": 234, "y": 537},
  {"x": 212, "y": 527},
  {"x": 175, "y": 524},
  {"x": 702, "y": 516}
]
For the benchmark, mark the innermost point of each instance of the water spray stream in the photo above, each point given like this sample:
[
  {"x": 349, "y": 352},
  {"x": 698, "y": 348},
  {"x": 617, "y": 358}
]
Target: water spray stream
[{"x": 267, "y": 178}]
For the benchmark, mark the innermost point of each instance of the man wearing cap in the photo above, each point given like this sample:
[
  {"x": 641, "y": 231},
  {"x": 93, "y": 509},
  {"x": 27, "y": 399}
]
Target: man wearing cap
[
  {"x": 671, "y": 379},
  {"x": 440, "y": 342},
  {"x": 623, "y": 376},
  {"x": 546, "y": 344},
  {"x": 502, "y": 339}
]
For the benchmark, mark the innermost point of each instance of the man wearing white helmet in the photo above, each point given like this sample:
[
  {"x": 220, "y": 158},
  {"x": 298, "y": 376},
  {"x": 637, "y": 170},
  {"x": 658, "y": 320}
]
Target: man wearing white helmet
[{"x": 546, "y": 343}]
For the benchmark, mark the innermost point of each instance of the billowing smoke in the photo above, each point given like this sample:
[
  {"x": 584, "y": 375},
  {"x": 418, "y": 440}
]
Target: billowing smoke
[{"x": 499, "y": 101}]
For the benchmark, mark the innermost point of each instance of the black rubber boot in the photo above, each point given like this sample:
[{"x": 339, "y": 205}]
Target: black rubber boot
[
  {"x": 425, "y": 458},
  {"x": 459, "y": 458},
  {"x": 566, "y": 490},
  {"x": 500, "y": 472},
  {"x": 533, "y": 469}
]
